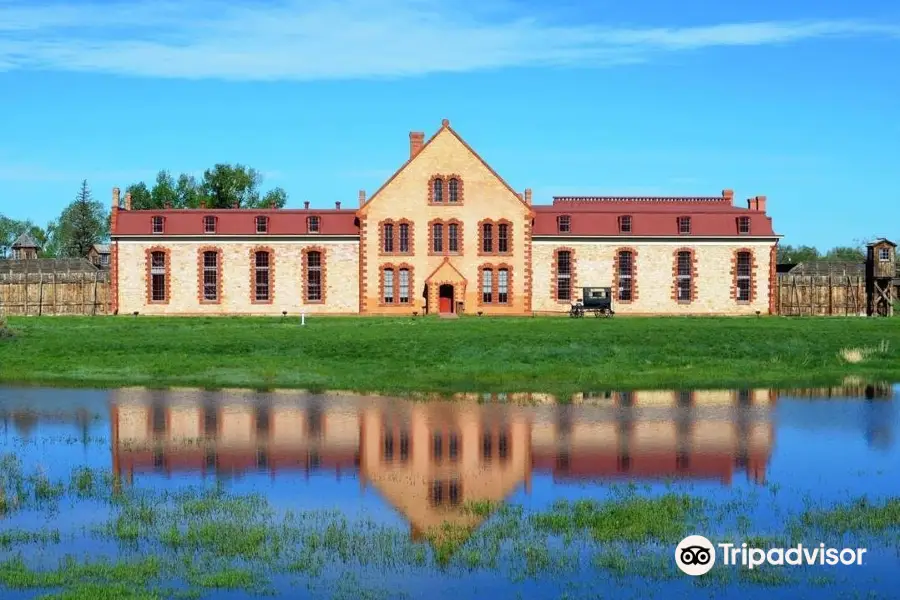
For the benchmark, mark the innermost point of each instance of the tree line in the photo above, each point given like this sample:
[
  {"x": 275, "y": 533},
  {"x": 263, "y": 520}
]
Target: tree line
[{"x": 85, "y": 221}]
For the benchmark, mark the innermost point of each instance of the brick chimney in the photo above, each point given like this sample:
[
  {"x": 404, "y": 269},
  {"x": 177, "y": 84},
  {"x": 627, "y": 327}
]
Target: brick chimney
[
  {"x": 416, "y": 141},
  {"x": 306, "y": 205},
  {"x": 337, "y": 205},
  {"x": 235, "y": 204},
  {"x": 757, "y": 203},
  {"x": 528, "y": 196},
  {"x": 167, "y": 204},
  {"x": 127, "y": 200},
  {"x": 272, "y": 204},
  {"x": 114, "y": 212},
  {"x": 728, "y": 196},
  {"x": 202, "y": 202},
  {"x": 362, "y": 197}
]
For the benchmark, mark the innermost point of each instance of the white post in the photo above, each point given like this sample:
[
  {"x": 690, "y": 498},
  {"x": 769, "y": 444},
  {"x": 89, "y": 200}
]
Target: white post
[{"x": 303, "y": 318}]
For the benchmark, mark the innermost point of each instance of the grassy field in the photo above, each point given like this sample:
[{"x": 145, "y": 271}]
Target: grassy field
[{"x": 557, "y": 355}]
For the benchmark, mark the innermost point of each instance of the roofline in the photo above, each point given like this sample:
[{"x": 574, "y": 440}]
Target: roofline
[
  {"x": 699, "y": 199},
  {"x": 238, "y": 237},
  {"x": 445, "y": 125},
  {"x": 213, "y": 211},
  {"x": 640, "y": 238}
]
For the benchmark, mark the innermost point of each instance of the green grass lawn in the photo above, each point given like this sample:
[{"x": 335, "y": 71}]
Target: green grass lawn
[{"x": 430, "y": 355}]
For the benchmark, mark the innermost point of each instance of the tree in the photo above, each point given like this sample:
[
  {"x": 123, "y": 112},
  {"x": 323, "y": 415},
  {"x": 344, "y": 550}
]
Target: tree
[
  {"x": 82, "y": 224},
  {"x": 222, "y": 186},
  {"x": 847, "y": 253},
  {"x": 798, "y": 254}
]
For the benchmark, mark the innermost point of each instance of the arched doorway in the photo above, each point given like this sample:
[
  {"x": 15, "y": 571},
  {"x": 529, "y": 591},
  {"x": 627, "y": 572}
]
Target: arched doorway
[{"x": 445, "y": 298}]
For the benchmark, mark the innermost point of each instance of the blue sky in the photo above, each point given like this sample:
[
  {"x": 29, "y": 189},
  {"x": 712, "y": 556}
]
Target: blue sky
[{"x": 794, "y": 100}]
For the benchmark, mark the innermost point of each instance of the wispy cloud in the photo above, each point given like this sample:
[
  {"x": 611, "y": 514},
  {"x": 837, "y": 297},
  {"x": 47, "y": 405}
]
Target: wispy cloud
[{"x": 342, "y": 39}]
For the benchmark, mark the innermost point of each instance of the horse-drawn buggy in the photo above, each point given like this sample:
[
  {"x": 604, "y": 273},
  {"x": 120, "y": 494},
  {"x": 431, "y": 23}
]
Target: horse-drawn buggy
[{"x": 597, "y": 300}]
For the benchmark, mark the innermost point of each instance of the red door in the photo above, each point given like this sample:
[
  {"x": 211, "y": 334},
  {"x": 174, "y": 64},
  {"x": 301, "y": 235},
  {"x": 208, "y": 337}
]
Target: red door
[{"x": 445, "y": 305}]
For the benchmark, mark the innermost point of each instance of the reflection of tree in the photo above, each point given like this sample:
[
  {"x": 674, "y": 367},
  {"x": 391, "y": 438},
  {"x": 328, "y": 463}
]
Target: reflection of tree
[
  {"x": 878, "y": 419},
  {"x": 24, "y": 422},
  {"x": 83, "y": 419}
]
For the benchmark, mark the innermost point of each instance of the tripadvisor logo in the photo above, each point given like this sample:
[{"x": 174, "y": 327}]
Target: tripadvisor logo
[{"x": 696, "y": 555}]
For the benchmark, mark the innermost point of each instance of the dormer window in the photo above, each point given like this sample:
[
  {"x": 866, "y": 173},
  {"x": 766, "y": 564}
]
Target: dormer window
[
  {"x": 743, "y": 225},
  {"x": 684, "y": 225},
  {"x": 209, "y": 224},
  {"x": 158, "y": 224},
  {"x": 262, "y": 224},
  {"x": 563, "y": 223},
  {"x": 625, "y": 224},
  {"x": 884, "y": 254},
  {"x": 312, "y": 224}
]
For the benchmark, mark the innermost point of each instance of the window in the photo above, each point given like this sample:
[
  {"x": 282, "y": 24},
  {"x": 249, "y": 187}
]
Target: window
[
  {"x": 563, "y": 275},
  {"x": 625, "y": 224},
  {"x": 404, "y": 286},
  {"x": 454, "y": 190},
  {"x": 445, "y": 490},
  {"x": 626, "y": 273},
  {"x": 503, "y": 445},
  {"x": 104, "y": 260},
  {"x": 158, "y": 276},
  {"x": 387, "y": 453},
  {"x": 884, "y": 254},
  {"x": 261, "y": 261},
  {"x": 744, "y": 225},
  {"x": 262, "y": 224},
  {"x": 487, "y": 286},
  {"x": 453, "y": 447},
  {"x": 437, "y": 449},
  {"x": 503, "y": 286},
  {"x": 404, "y": 445},
  {"x": 209, "y": 224},
  {"x": 388, "y": 236},
  {"x": 210, "y": 276},
  {"x": 487, "y": 237},
  {"x": 503, "y": 237},
  {"x": 388, "y": 286},
  {"x": 563, "y": 223},
  {"x": 685, "y": 269},
  {"x": 437, "y": 190},
  {"x": 684, "y": 225},
  {"x": 312, "y": 224},
  {"x": 404, "y": 237},
  {"x": 453, "y": 237},
  {"x": 437, "y": 237},
  {"x": 158, "y": 224},
  {"x": 743, "y": 272},
  {"x": 313, "y": 276}
]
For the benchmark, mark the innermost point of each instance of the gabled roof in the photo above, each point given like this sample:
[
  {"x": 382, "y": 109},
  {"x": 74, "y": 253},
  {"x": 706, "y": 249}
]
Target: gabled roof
[
  {"x": 880, "y": 241},
  {"x": 446, "y": 265},
  {"x": 445, "y": 126},
  {"x": 25, "y": 241},
  {"x": 101, "y": 248}
]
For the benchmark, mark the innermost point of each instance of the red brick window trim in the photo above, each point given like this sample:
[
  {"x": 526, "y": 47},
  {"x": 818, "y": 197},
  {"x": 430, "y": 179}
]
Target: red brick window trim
[
  {"x": 743, "y": 274},
  {"x": 625, "y": 275},
  {"x": 563, "y": 276},
  {"x": 495, "y": 237},
  {"x": 684, "y": 225},
  {"x": 210, "y": 224},
  {"x": 404, "y": 236},
  {"x": 441, "y": 241},
  {"x": 684, "y": 275},
  {"x": 445, "y": 190},
  {"x": 625, "y": 223},
  {"x": 396, "y": 286},
  {"x": 743, "y": 225},
  {"x": 262, "y": 275},
  {"x": 159, "y": 275},
  {"x": 564, "y": 223},
  {"x": 495, "y": 285},
  {"x": 158, "y": 224},
  {"x": 395, "y": 237},
  {"x": 262, "y": 224},
  {"x": 209, "y": 275},
  {"x": 314, "y": 271}
]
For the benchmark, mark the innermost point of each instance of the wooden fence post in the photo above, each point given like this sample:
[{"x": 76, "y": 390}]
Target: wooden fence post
[
  {"x": 83, "y": 299},
  {"x": 55, "y": 307},
  {"x": 41, "y": 296},
  {"x": 26, "y": 294},
  {"x": 94, "y": 306}
]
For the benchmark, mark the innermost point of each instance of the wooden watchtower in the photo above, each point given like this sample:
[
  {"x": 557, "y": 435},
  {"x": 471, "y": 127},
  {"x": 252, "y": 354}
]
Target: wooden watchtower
[{"x": 881, "y": 276}]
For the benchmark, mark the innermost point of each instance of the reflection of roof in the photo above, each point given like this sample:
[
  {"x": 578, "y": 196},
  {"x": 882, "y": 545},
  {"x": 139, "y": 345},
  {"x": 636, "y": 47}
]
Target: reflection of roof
[{"x": 25, "y": 241}]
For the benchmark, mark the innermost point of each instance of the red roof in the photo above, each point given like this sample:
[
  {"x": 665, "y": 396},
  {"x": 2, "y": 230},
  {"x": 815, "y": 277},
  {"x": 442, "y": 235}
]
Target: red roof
[
  {"x": 650, "y": 216},
  {"x": 237, "y": 221}
]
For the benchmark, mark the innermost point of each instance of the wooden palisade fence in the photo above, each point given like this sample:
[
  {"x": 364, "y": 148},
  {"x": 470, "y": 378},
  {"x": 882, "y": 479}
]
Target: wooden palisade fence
[
  {"x": 36, "y": 294},
  {"x": 816, "y": 295}
]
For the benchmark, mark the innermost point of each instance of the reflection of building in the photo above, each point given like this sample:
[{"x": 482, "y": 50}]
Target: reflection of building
[{"x": 432, "y": 460}]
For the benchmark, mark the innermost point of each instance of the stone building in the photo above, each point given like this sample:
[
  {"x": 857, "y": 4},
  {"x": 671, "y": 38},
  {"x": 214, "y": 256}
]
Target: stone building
[{"x": 447, "y": 234}]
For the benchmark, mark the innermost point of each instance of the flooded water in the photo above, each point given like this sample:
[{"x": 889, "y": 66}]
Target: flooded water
[{"x": 239, "y": 494}]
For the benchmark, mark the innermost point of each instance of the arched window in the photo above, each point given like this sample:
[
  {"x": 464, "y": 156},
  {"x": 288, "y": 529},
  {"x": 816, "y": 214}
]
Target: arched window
[
  {"x": 487, "y": 238},
  {"x": 262, "y": 276},
  {"x": 563, "y": 275},
  {"x": 684, "y": 278},
  {"x": 210, "y": 276},
  {"x": 313, "y": 276},
  {"x": 453, "y": 237},
  {"x": 453, "y": 188},
  {"x": 388, "y": 237},
  {"x": 158, "y": 275},
  {"x": 437, "y": 237},
  {"x": 626, "y": 275},
  {"x": 743, "y": 275},
  {"x": 437, "y": 190},
  {"x": 404, "y": 237}
]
